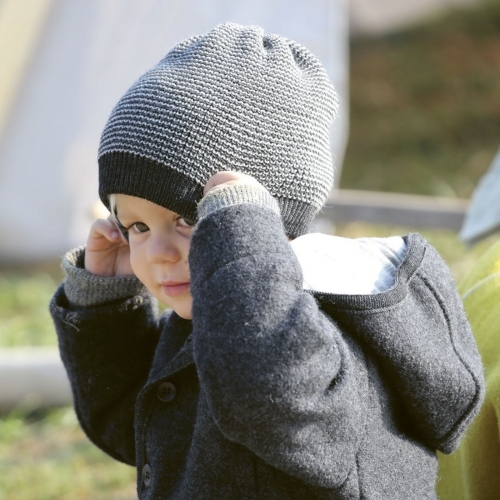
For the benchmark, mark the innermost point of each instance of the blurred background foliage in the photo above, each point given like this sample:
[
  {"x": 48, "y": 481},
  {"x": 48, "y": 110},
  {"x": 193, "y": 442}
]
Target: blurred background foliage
[
  {"x": 425, "y": 106},
  {"x": 24, "y": 297},
  {"x": 45, "y": 456},
  {"x": 425, "y": 119}
]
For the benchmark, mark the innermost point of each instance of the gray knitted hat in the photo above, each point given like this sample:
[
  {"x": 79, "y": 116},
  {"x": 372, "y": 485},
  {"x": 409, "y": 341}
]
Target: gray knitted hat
[{"x": 233, "y": 99}]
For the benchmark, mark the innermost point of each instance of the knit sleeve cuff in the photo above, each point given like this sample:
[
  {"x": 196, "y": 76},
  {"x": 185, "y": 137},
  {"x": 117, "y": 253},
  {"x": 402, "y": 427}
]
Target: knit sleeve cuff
[
  {"x": 236, "y": 195},
  {"x": 84, "y": 289}
]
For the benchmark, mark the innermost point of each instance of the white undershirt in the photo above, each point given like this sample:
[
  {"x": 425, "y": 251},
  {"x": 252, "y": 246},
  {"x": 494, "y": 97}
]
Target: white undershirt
[{"x": 332, "y": 264}]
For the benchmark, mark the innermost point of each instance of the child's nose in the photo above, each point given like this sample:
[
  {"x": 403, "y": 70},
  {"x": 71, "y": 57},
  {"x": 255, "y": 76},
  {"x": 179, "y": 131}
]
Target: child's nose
[{"x": 162, "y": 249}]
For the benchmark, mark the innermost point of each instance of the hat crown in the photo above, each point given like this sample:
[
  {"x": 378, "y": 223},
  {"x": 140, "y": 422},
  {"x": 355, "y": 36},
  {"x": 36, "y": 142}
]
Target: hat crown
[{"x": 233, "y": 99}]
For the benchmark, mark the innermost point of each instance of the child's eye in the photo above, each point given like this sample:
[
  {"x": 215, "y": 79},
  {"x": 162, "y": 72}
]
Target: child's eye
[
  {"x": 140, "y": 227},
  {"x": 184, "y": 222}
]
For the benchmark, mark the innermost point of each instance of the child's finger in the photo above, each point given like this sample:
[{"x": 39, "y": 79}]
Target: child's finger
[
  {"x": 116, "y": 228},
  {"x": 228, "y": 178},
  {"x": 109, "y": 229},
  {"x": 103, "y": 229}
]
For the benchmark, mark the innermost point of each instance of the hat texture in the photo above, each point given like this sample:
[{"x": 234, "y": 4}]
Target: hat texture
[{"x": 232, "y": 99}]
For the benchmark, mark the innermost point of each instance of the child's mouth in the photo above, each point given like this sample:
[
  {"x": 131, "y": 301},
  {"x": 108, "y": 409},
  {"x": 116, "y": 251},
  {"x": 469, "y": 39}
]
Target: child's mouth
[{"x": 173, "y": 288}]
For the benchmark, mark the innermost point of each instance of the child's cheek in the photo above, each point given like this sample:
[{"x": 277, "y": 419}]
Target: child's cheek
[{"x": 138, "y": 264}]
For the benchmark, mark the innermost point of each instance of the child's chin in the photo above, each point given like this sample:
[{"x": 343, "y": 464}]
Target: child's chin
[
  {"x": 184, "y": 311},
  {"x": 184, "y": 314}
]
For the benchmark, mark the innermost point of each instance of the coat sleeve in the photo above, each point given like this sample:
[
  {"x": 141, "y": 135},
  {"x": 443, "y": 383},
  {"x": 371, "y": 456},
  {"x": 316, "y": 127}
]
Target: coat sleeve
[
  {"x": 419, "y": 335},
  {"x": 279, "y": 376},
  {"x": 291, "y": 383},
  {"x": 107, "y": 350}
]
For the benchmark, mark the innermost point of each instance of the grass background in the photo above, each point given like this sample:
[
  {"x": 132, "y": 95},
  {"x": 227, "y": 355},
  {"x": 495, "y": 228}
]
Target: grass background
[{"x": 425, "y": 119}]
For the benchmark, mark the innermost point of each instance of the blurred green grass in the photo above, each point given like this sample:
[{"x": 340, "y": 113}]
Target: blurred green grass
[
  {"x": 425, "y": 119},
  {"x": 24, "y": 298},
  {"x": 45, "y": 456}
]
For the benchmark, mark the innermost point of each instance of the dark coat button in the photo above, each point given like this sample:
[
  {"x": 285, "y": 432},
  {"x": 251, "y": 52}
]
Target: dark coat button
[
  {"x": 166, "y": 392},
  {"x": 147, "y": 474}
]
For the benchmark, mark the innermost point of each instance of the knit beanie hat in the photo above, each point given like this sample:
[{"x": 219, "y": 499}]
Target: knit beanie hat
[{"x": 233, "y": 99}]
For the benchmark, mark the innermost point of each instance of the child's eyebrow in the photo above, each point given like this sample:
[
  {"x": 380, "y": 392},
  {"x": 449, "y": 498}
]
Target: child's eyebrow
[{"x": 115, "y": 215}]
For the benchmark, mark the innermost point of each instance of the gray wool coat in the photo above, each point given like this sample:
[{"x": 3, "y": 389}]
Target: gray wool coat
[{"x": 272, "y": 392}]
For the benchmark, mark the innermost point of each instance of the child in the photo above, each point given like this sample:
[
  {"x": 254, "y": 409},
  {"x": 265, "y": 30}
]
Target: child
[{"x": 323, "y": 368}]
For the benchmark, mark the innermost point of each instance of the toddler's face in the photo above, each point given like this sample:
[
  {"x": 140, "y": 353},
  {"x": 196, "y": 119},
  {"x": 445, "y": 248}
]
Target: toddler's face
[{"x": 159, "y": 242}]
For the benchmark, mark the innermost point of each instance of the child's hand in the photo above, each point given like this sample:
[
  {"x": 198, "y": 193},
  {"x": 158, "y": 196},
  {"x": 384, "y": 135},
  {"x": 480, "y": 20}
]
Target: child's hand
[
  {"x": 107, "y": 252},
  {"x": 223, "y": 179}
]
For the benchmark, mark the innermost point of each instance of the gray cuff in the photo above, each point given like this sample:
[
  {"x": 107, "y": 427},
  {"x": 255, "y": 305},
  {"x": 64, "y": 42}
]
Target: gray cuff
[
  {"x": 84, "y": 289},
  {"x": 236, "y": 195}
]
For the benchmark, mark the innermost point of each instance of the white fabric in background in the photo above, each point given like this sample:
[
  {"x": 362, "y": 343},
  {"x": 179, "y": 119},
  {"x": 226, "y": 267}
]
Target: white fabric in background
[
  {"x": 483, "y": 216},
  {"x": 90, "y": 52}
]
